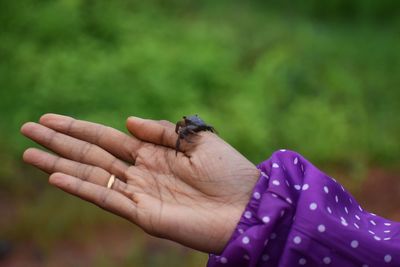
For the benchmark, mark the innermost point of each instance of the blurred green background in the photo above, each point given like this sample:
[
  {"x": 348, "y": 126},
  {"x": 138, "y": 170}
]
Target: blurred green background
[{"x": 322, "y": 78}]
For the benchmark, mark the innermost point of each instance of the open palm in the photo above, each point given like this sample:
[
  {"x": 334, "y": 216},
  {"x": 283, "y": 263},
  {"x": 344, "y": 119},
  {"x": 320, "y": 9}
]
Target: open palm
[{"x": 195, "y": 197}]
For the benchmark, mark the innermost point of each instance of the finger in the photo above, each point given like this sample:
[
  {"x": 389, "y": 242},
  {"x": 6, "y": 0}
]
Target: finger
[
  {"x": 103, "y": 197},
  {"x": 125, "y": 189},
  {"x": 108, "y": 138},
  {"x": 156, "y": 132},
  {"x": 74, "y": 149},
  {"x": 51, "y": 163}
]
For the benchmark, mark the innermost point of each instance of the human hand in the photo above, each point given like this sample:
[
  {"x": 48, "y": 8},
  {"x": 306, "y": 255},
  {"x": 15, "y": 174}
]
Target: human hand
[{"x": 195, "y": 198}]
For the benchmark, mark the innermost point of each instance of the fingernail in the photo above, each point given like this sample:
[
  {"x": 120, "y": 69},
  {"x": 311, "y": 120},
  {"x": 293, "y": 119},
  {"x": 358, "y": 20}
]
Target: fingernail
[
  {"x": 55, "y": 178},
  {"x": 135, "y": 118}
]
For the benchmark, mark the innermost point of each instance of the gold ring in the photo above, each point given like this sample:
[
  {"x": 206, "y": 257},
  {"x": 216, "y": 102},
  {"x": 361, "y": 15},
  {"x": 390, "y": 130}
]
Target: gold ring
[{"x": 111, "y": 181}]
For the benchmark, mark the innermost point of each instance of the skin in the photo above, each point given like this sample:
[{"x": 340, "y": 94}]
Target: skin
[
  {"x": 188, "y": 126},
  {"x": 194, "y": 198}
]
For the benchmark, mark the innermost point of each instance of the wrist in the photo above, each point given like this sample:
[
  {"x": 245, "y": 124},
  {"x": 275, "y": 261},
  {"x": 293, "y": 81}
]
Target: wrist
[{"x": 233, "y": 215}]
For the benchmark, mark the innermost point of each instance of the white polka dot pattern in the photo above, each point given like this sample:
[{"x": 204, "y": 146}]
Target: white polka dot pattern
[
  {"x": 321, "y": 228},
  {"x": 276, "y": 182},
  {"x": 388, "y": 258},
  {"x": 325, "y": 213},
  {"x": 313, "y": 206},
  {"x": 247, "y": 214},
  {"x": 246, "y": 240},
  {"x": 266, "y": 219},
  {"x": 224, "y": 260},
  {"x": 297, "y": 239},
  {"x": 354, "y": 244},
  {"x": 327, "y": 260},
  {"x": 302, "y": 261}
]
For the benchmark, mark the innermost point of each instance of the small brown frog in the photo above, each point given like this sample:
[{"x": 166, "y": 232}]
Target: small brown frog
[{"x": 190, "y": 125}]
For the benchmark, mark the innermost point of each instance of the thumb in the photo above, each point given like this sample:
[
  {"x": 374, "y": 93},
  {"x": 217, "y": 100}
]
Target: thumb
[{"x": 152, "y": 131}]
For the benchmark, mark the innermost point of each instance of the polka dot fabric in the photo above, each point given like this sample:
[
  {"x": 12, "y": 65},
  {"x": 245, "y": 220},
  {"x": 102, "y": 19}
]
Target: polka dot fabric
[{"x": 299, "y": 216}]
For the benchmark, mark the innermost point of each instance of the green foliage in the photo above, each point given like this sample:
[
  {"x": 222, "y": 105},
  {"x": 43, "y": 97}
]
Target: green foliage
[
  {"x": 370, "y": 10},
  {"x": 325, "y": 88}
]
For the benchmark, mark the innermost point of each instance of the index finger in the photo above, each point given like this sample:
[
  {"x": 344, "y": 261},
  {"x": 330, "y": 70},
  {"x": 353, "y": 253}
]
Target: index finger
[{"x": 116, "y": 142}]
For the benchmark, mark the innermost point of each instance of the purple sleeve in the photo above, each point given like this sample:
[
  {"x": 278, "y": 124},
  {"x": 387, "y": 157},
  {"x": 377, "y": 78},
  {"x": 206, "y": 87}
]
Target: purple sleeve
[{"x": 299, "y": 216}]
